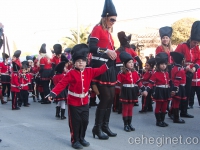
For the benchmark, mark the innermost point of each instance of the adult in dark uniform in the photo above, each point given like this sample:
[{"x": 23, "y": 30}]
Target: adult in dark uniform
[
  {"x": 102, "y": 48},
  {"x": 45, "y": 71},
  {"x": 191, "y": 52}
]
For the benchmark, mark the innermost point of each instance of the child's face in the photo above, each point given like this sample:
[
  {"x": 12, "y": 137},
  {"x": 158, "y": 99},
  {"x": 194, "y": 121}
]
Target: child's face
[
  {"x": 147, "y": 66},
  {"x": 162, "y": 66},
  {"x": 24, "y": 70},
  {"x": 80, "y": 64},
  {"x": 130, "y": 64}
]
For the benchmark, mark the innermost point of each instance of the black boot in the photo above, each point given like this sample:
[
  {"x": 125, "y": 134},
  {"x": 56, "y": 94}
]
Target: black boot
[
  {"x": 97, "y": 129},
  {"x": 58, "y": 111},
  {"x": 162, "y": 116},
  {"x": 176, "y": 117},
  {"x": 158, "y": 120},
  {"x": 126, "y": 126},
  {"x": 105, "y": 127},
  {"x": 63, "y": 114},
  {"x": 129, "y": 123},
  {"x": 3, "y": 102}
]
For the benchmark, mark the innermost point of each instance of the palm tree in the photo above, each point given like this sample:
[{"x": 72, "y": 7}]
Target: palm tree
[{"x": 72, "y": 40}]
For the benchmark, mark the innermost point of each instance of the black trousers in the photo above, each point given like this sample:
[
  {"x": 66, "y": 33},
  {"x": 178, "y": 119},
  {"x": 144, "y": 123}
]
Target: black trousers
[
  {"x": 24, "y": 97},
  {"x": 194, "y": 89},
  {"x": 45, "y": 85},
  {"x": 78, "y": 121},
  {"x": 4, "y": 85},
  {"x": 184, "y": 104},
  {"x": 15, "y": 96}
]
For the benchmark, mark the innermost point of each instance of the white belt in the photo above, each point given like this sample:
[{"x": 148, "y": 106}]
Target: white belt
[
  {"x": 99, "y": 58},
  {"x": 195, "y": 80},
  {"x": 5, "y": 74},
  {"x": 77, "y": 95},
  {"x": 14, "y": 85},
  {"x": 182, "y": 84},
  {"x": 119, "y": 65},
  {"x": 163, "y": 86},
  {"x": 130, "y": 85},
  {"x": 24, "y": 84},
  {"x": 188, "y": 63},
  {"x": 117, "y": 87}
]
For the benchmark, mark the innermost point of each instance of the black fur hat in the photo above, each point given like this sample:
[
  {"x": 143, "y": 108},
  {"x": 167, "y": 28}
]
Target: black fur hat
[
  {"x": 125, "y": 57},
  {"x": 60, "y": 67},
  {"x": 195, "y": 31},
  {"x": 177, "y": 57},
  {"x": 123, "y": 39},
  {"x": 5, "y": 56},
  {"x": 64, "y": 58},
  {"x": 17, "y": 53},
  {"x": 43, "y": 48},
  {"x": 57, "y": 49},
  {"x": 109, "y": 9},
  {"x": 161, "y": 57},
  {"x": 79, "y": 51},
  {"x": 165, "y": 31}
]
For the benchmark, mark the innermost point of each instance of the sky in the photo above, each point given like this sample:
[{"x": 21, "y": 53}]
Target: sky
[{"x": 29, "y": 23}]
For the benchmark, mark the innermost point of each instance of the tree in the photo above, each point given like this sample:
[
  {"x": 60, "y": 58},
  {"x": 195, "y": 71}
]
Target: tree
[
  {"x": 181, "y": 30},
  {"x": 72, "y": 40}
]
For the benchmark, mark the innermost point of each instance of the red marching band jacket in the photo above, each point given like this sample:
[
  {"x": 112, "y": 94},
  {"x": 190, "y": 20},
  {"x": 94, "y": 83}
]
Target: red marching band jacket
[
  {"x": 44, "y": 61},
  {"x": 196, "y": 78},
  {"x": 79, "y": 84},
  {"x": 131, "y": 78},
  {"x": 146, "y": 76},
  {"x": 159, "y": 79},
  {"x": 55, "y": 60},
  {"x": 15, "y": 83},
  {"x": 4, "y": 70},
  {"x": 24, "y": 81}
]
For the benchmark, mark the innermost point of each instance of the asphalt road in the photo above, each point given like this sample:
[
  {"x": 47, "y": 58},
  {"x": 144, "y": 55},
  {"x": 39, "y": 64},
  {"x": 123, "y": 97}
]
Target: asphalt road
[{"x": 36, "y": 128}]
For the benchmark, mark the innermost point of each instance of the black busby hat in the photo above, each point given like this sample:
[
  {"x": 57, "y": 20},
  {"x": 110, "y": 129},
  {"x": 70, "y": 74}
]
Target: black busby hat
[
  {"x": 79, "y": 51},
  {"x": 165, "y": 31},
  {"x": 123, "y": 39},
  {"x": 15, "y": 66},
  {"x": 195, "y": 31},
  {"x": 5, "y": 56},
  {"x": 151, "y": 62},
  {"x": 64, "y": 58},
  {"x": 60, "y": 67},
  {"x": 43, "y": 48},
  {"x": 125, "y": 57},
  {"x": 57, "y": 49},
  {"x": 109, "y": 9},
  {"x": 17, "y": 53},
  {"x": 161, "y": 57},
  {"x": 29, "y": 58},
  {"x": 25, "y": 64},
  {"x": 177, "y": 57},
  {"x": 67, "y": 50}
]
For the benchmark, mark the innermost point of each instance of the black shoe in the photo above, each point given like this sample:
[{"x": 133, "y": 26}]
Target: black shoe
[
  {"x": 46, "y": 102},
  {"x": 191, "y": 107},
  {"x": 127, "y": 128},
  {"x": 186, "y": 115},
  {"x": 17, "y": 108},
  {"x": 136, "y": 104},
  {"x": 84, "y": 143},
  {"x": 160, "y": 124},
  {"x": 0, "y": 140},
  {"x": 26, "y": 105},
  {"x": 77, "y": 145}
]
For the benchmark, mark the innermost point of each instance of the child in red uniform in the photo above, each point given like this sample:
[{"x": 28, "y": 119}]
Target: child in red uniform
[
  {"x": 79, "y": 80},
  {"x": 15, "y": 85},
  {"x": 24, "y": 81},
  {"x": 178, "y": 77},
  {"x": 62, "y": 97},
  {"x": 129, "y": 81},
  {"x": 161, "y": 93},
  {"x": 147, "y": 101}
]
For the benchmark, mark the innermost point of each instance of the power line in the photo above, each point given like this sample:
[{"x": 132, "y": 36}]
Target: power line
[{"x": 159, "y": 15}]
